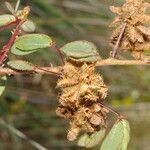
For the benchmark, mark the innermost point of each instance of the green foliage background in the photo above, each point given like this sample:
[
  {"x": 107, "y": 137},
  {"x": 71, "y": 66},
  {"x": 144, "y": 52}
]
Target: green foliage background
[{"x": 29, "y": 102}]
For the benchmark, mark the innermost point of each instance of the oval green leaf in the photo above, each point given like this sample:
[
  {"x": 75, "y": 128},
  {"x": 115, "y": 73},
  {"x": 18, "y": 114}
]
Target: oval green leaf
[
  {"x": 30, "y": 42},
  {"x": 91, "y": 140},
  {"x": 6, "y": 19},
  {"x": 28, "y": 26},
  {"x": 2, "y": 84},
  {"x": 20, "y": 65},
  {"x": 19, "y": 52},
  {"x": 118, "y": 137},
  {"x": 87, "y": 59},
  {"x": 80, "y": 51}
]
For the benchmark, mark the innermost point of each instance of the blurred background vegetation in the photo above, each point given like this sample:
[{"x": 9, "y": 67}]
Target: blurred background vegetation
[{"x": 29, "y": 102}]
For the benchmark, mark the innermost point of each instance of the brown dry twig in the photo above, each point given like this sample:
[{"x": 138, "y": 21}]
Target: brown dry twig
[
  {"x": 115, "y": 50},
  {"x": 112, "y": 61},
  {"x": 41, "y": 70},
  {"x": 57, "y": 70}
]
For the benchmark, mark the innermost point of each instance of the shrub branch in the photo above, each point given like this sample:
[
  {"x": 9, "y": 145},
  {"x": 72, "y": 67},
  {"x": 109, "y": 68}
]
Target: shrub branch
[
  {"x": 112, "y": 61},
  {"x": 40, "y": 70},
  {"x": 57, "y": 70},
  {"x": 4, "y": 52},
  {"x": 9, "y": 25}
]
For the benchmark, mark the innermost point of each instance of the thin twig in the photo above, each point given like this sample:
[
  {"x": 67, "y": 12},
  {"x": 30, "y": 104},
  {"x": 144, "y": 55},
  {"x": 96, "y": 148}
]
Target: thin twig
[
  {"x": 112, "y": 61},
  {"x": 115, "y": 50},
  {"x": 44, "y": 69},
  {"x": 22, "y": 135},
  {"x": 41, "y": 70},
  {"x": 9, "y": 25},
  {"x": 58, "y": 70},
  {"x": 118, "y": 115},
  {"x": 6, "y": 48}
]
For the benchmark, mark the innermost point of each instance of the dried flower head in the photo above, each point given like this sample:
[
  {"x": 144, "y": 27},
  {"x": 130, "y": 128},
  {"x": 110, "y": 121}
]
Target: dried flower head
[
  {"x": 81, "y": 91},
  {"x": 136, "y": 37}
]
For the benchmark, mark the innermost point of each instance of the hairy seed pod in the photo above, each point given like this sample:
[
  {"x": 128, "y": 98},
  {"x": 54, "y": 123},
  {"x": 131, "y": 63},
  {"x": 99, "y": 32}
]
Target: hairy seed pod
[
  {"x": 81, "y": 90},
  {"x": 136, "y": 37}
]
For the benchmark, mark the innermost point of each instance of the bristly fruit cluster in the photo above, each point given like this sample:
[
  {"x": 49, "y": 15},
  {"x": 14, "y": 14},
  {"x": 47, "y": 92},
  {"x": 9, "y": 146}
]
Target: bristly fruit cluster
[
  {"x": 136, "y": 37},
  {"x": 82, "y": 90}
]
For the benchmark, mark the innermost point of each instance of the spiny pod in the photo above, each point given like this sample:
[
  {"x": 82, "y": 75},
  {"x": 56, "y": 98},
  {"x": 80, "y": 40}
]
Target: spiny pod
[{"x": 136, "y": 37}]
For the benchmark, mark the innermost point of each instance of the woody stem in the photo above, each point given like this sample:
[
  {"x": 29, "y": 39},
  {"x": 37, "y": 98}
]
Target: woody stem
[
  {"x": 4, "y": 52},
  {"x": 115, "y": 50},
  {"x": 111, "y": 110},
  {"x": 9, "y": 25}
]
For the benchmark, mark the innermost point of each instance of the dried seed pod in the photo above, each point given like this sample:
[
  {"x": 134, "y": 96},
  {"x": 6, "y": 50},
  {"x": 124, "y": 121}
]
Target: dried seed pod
[
  {"x": 81, "y": 90},
  {"x": 96, "y": 107},
  {"x": 63, "y": 112},
  {"x": 137, "y": 32},
  {"x": 96, "y": 119},
  {"x": 73, "y": 132}
]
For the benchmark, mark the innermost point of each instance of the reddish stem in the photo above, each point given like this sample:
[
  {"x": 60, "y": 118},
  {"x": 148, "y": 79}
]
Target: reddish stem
[
  {"x": 9, "y": 25},
  {"x": 115, "y": 50},
  {"x": 54, "y": 46},
  {"x": 6, "y": 48},
  {"x": 40, "y": 70},
  {"x": 48, "y": 71},
  {"x": 111, "y": 110}
]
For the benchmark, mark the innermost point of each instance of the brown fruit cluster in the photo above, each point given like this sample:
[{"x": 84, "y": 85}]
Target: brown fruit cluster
[
  {"x": 82, "y": 90},
  {"x": 136, "y": 37}
]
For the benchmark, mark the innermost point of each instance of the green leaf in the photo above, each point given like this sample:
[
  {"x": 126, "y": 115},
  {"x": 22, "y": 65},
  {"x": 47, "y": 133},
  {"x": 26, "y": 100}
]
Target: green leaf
[
  {"x": 81, "y": 51},
  {"x": 91, "y": 140},
  {"x": 2, "y": 84},
  {"x": 87, "y": 59},
  {"x": 118, "y": 137},
  {"x": 20, "y": 65},
  {"x": 31, "y": 43},
  {"x": 6, "y": 19},
  {"x": 19, "y": 52},
  {"x": 28, "y": 26}
]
